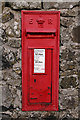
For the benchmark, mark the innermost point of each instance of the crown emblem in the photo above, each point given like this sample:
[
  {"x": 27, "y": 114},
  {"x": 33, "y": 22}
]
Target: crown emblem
[{"x": 40, "y": 22}]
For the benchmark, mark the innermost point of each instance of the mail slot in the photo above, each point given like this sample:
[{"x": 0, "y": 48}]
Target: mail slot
[{"x": 40, "y": 60}]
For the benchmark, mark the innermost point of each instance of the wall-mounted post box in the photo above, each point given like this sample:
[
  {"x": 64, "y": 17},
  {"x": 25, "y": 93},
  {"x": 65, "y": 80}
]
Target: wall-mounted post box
[{"x": 40, "y": 60}]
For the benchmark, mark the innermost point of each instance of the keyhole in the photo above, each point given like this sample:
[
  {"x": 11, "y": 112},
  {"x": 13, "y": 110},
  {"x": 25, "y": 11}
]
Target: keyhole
[{"x": 34, "y": 80}]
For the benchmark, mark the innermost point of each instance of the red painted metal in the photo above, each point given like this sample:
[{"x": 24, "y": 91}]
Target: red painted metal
[{"x": 40, "y": 30}]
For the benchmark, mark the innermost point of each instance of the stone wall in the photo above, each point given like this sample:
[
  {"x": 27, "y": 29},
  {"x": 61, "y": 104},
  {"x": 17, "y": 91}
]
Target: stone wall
[{"x": 69, "y": 89}]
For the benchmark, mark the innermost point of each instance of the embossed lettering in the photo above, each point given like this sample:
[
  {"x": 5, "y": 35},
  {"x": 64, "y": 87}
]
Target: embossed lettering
[
  {"x": 31, "y": 21},
  {"x": 49, "y": 21}
]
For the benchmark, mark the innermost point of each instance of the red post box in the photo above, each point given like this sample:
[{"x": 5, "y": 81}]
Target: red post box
[{"x": 40, "y": 60}]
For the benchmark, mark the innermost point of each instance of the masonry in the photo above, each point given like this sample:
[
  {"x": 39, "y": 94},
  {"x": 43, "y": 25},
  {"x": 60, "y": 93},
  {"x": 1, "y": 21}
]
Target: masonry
[{"x": 69, "y": 72}]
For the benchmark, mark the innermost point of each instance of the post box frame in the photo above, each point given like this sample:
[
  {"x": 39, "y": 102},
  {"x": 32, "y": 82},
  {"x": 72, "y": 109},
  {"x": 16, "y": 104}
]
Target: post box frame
[{"x": 26, "y": 106}]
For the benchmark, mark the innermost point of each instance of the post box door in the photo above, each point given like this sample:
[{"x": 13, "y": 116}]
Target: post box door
[{"x": 40, "y": 75}]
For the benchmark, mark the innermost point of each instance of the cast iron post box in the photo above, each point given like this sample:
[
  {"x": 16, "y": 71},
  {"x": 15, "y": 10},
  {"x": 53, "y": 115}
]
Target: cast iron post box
[{"x": 40, "y": 60}]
